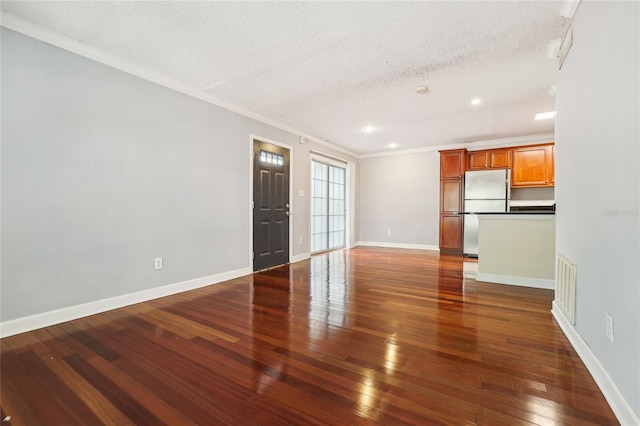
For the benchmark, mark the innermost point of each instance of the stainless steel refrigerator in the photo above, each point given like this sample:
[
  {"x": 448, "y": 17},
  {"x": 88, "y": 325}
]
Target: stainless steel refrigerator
[{"x": 484, "y": 191}]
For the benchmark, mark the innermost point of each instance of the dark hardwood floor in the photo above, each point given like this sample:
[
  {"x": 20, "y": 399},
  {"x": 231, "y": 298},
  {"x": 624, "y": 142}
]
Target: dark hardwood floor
[{"x": 363, "y": 336}]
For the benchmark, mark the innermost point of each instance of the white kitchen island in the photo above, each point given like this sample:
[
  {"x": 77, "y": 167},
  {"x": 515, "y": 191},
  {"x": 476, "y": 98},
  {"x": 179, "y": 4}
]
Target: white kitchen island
[{"x": 517, "y": 249}]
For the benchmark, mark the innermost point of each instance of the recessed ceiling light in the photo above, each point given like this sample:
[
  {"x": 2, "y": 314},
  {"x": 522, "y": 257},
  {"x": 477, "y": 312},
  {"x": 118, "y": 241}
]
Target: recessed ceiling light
[
  {"x": 393, "y": 145},
  {"x": 545, "y": 115},
  {"x": 368, "y": 129},
  {"x": 476, "y": 101},
  {"x": 422, "y": 89}
]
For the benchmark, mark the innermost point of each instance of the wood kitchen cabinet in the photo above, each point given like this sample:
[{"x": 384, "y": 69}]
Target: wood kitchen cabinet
[
  {"x": 451, "y": 232},
  {"x": 477, "y": 160},
  {"x": 553, "y": 165},
  {"x": 489, "y": 159},
  {"x": 533, "y": 166},
  {"x": 500, "y": 158},
  {"x": 451, "y": 196},
  {"x": 452, "y": 167},
  {"x": 452, "y": 164}
]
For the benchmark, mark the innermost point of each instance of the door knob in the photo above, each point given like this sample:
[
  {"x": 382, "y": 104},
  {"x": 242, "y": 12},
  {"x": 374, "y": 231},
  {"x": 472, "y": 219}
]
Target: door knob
[{"x": 287, "y": 213}]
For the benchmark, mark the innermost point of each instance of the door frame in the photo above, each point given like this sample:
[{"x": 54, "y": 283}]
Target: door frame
[{"x": 252, "y": 139}]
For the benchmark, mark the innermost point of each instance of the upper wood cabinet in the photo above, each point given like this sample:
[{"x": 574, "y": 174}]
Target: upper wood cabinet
[
  {"x": 477, "y": 160},
  {"x": 500, "y": 158},
  {"x": 533, "y": 166},
  {"x": 553, "y": 165},
  {"x": 452, "y": 164},
  {"x": 489, "y": 159}
]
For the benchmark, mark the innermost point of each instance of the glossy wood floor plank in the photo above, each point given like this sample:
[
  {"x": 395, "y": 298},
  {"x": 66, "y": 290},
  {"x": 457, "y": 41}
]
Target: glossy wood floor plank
[{"x": 362, "y": 336}]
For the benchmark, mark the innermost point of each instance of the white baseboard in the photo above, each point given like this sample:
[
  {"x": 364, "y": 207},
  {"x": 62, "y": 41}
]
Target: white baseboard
[
  {"x": 300, "y": 257},
  {"x": 33, "y": 322},
  {"x": 516, "y": 280},
  {"x": 397, "y": 245},
  {"x": 621, "y": 408}
]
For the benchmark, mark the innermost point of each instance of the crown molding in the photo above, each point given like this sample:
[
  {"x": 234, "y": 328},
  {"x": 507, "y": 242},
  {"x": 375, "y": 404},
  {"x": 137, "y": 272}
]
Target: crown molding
[
  {"x": 415, "y": 150},
  {"x": 331, "y": 146},
  {"x": 473, "y": 145},
  {"x": 513, "y": 141},
  {"x": 30, "y": 29},
  {"x": 53, "y": 38},
  {"x": 569, "y": 8}
]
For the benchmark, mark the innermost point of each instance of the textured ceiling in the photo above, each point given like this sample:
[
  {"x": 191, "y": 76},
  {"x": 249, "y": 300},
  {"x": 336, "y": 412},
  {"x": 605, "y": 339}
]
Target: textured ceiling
[{"x": 331, "y": 68}]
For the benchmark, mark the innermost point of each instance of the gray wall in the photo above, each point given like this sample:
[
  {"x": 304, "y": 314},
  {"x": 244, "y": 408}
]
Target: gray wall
[
  {"x": 597, "y": 148},
  {"x": 401, "y": 193},
  {"x": 103, "y": 171}
]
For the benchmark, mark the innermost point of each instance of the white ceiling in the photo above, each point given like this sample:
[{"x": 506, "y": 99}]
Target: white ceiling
[{"x": 331, "y": 68}]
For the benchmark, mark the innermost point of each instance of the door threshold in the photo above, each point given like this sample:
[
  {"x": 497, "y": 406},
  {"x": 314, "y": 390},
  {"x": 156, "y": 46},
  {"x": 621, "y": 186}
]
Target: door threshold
[{"x": 271, "y": 267}]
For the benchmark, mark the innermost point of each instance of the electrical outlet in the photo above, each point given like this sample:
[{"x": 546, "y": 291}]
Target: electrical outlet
[
  {"x": 300, "y": 240},
  {"x": 609, "y": 326},
  {"x": 158, "y": 264},
  {"x": 388, "y": 231}
]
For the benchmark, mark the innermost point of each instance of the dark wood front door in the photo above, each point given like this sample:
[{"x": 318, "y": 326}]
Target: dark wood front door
[{"x": 270, "y": 205}]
